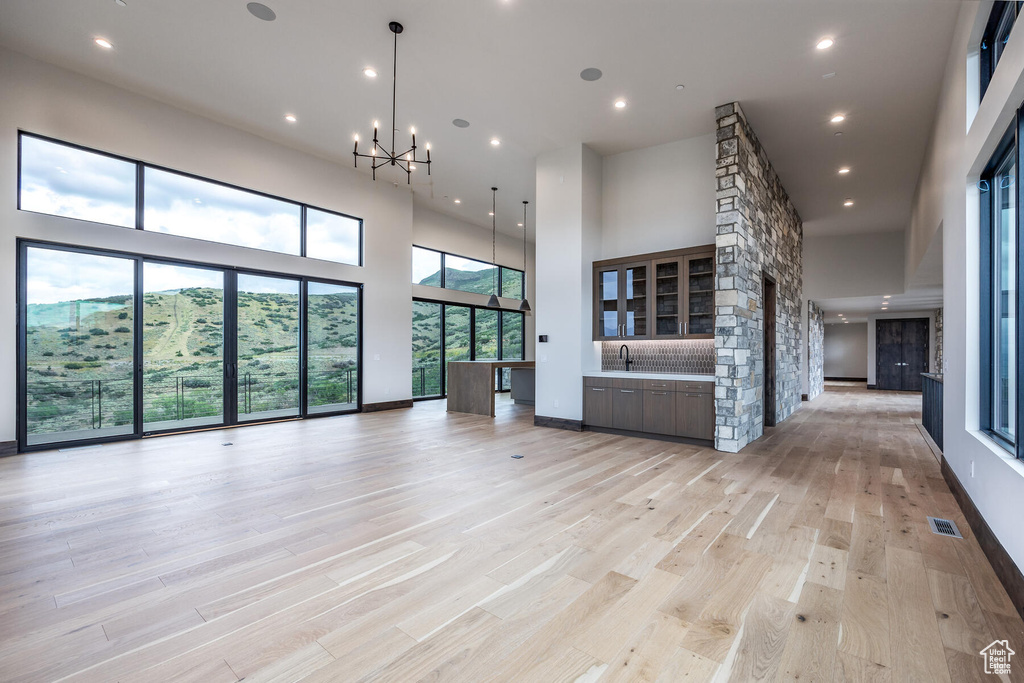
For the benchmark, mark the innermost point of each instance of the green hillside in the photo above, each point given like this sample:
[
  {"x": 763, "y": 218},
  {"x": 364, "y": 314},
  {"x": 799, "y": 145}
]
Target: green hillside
[{"x": 80, "y": 357}]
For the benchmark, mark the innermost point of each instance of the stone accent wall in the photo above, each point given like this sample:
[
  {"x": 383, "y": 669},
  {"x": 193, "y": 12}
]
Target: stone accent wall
[
  {"x": 759, "y": 232},
  {"x": 686, "y": 357},
  {"x": 938, "y": 341},
  {"x": 815, "y": 350}
]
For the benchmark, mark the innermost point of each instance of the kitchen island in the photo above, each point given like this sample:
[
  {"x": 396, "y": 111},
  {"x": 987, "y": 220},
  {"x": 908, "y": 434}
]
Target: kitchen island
[{"x": 471, "y": 384}]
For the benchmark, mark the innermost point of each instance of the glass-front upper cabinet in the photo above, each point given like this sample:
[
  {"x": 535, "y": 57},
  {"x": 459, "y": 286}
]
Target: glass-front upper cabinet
[
  {"x": 684, "y": 298},
  {"x": 621, "y": 301}
]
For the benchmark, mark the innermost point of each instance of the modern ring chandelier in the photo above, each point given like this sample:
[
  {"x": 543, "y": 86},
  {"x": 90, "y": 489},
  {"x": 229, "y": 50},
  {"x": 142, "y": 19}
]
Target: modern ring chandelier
[{"x": 380, "y": 156}]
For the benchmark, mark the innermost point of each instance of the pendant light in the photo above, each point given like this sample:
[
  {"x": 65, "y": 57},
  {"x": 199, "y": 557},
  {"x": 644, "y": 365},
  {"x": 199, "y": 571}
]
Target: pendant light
[
  {"x": 493, "y": 301},
  {"x": 525, "y": 306}
]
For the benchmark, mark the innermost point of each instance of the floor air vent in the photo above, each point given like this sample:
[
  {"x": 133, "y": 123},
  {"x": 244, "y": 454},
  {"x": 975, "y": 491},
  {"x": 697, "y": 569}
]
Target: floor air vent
[{"x": 944, "y": 527}]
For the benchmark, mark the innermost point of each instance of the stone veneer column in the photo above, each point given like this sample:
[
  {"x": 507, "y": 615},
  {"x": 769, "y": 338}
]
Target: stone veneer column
[
  {"x": 938, "y": 341},
  {"x": 758, "y": 232},
  {"x": 815, "y": 350}
]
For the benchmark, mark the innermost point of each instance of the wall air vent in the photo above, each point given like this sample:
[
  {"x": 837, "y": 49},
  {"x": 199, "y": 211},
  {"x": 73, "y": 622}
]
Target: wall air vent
[{"x": 944, "y": 527}]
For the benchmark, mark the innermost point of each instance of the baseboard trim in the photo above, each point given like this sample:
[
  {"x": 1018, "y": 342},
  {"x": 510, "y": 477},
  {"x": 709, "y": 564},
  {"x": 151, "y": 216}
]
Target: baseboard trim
[
  {"x": 649, "y": 435},
  {"x": 8, "y": 448},
  {"x": 1006, "y": 571},
  {"x": 846, "y": 379},
  {"x": 871, "y": 386},
  {"x": 558, "y": 423},
  {"x": 387, "y": 405}
]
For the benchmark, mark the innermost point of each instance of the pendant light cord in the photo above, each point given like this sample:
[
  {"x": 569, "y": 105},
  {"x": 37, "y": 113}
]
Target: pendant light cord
[
  {"x": 394, "y": 94},
  {"x": 494, "y": 232}
]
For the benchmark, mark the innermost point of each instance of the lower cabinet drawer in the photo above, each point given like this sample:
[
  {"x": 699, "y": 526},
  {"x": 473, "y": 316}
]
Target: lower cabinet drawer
[
  {"x": 695, "y": 415},
  {"x": 660, "y": 411},
  {"x": 597, "y": 406}
]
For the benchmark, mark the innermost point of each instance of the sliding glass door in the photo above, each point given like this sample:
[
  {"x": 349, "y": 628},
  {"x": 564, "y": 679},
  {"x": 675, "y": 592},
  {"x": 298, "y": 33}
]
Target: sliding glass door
[
  {"x": 426, "y": 349},
  {"x": 332, "y": 347},
  {"x": 182, "y": 347},
  {"x": 268, "y": 347},
  {"x": 116, "y": 346},
  {"x": 78, "y": 336}
]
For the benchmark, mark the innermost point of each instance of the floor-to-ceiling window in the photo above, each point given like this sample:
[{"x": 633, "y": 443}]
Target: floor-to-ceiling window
[
  {"x": 78, "y": 337},
  {"x": 119, "y": 345},
  {"x": 332, "y": 343},
  {"x": 444, "y": 332},
  {"x": 182, "y": 346},
  {"x": 1001, "y": 304}
]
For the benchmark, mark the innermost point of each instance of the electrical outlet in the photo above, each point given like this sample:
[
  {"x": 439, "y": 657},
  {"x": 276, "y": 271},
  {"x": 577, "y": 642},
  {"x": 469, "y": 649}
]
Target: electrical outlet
[
  {"x": 556, "y": 402},
  {"x": 543, "y": 358},
  {"x": 972, "y": 469},
  {"x": 387, "y": 391},
  {"x": 376, "y": 356}
]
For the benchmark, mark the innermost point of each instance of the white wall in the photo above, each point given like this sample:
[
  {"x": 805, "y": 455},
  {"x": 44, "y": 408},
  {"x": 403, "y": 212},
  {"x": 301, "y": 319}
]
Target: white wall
[
  {"x": 659, "y": 198},
  {"x": 568, "y": 240},
  {"x": 51, "y": 101},
  {"x": 846, "y": 350},
  {"x": 947, "y": 196},
  {"x": 872, "y": 344},
  {"x": 445, "y": 233}
]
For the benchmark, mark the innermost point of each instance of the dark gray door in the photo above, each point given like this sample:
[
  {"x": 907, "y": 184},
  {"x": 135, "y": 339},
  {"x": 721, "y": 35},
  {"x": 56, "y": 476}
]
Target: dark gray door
[
  {"x": 901, "y": 353},
  {"x": 889, "y": 355},
  {"x": 915, "y": 353}
]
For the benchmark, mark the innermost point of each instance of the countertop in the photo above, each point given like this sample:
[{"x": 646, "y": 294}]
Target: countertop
[{"x": 651, "y": 375}]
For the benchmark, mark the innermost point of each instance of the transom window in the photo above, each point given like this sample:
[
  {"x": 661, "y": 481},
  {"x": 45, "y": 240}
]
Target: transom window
[
  {"x": 440, "y": 269},
  {"x": 61, "y": 179}
]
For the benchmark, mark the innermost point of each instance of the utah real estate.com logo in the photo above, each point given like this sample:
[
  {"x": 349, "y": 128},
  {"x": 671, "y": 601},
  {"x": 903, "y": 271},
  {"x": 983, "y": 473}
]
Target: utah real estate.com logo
[{"x": 997, "y": 657}]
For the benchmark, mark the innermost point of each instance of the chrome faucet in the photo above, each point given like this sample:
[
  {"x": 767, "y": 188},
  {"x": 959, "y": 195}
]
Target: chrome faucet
[{"x": 628, "y": 361}]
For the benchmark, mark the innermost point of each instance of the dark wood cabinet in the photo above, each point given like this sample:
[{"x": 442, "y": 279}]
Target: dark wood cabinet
[
  {"x": 651, "y": 406},
  {"x": 628, "y": 409},
  {"x": 659, "y": 411},
  {"x": 695, "y": 415},
  {"x": 667, "y": 295},
  {"x": 621, "y": 302},
  {"x": 901, "y": 353},
  {"x": 597, "y": 406}
]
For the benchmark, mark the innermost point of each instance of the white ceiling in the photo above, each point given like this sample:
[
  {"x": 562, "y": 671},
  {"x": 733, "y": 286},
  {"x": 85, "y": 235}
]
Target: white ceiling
[
  {"x": 511, "y": 68},
  {"x": 857, "y": 309}
]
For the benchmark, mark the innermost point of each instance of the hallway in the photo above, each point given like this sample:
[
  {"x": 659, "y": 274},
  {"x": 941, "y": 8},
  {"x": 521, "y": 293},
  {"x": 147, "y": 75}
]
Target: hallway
[{"x": 408, "y": 545}]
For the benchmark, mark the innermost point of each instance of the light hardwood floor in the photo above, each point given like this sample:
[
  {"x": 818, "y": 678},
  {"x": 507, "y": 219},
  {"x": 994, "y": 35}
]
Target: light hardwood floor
[{"x": 409, "y": 546}]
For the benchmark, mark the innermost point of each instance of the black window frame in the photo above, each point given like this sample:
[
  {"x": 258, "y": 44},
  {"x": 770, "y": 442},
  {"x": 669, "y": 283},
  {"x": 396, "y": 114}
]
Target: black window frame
[
  {"x": 1003, "y": 15},
  {"x": 472, "y": 338},
  {"x": 231, "y": 273},
  {"x": 1009, "y": 146},
  {"x": 444, "y": 267},
  {"x": 140, "y": 169}
]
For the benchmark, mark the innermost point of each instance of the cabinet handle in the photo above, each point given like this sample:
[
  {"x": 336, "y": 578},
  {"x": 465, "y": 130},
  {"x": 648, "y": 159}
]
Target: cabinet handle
[
  {"x": 659, "y": 385},
  {"x": 595, "y": 389},
  {"x": 694, "y": 395},
  {"x": 686, "y": 327},
  {"x": 628, "y": 391},
  {"x": 659, "y": 393},
  {"x": 680, "y": 328}
]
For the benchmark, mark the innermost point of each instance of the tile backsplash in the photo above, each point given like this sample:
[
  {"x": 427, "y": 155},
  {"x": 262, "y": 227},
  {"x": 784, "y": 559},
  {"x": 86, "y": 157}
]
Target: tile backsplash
[{"x": 684, "y": 357}]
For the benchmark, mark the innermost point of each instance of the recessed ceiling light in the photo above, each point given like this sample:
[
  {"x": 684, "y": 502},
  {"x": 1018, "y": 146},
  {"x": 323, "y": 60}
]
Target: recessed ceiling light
[
  {"x": 460, "y": 123},
  {"x": 412, "y": 167},
  {"x": 495, "y": 142},
  {"x": 290, "y": 118},
  {"x": 887, "y": 296},
  {"x": 825, "y": 43},
  {"x": 838, "y": 118},
  {"x": 591, "y": 74},
  {"x": 120, "y": 3},
  {"x": 680, "y": 87},
  {"x": 620, "y": 104},
  {"x": 519, "y": 224},
  {"x": 370, "y": 73},
  {"x": 458, "y": 201},
  {"x": 830, "y": 74},
  {"x": 848, "y": 202},
  {"x": 838, "y": 133},
  {"x": 104, "y": 43},
  {"x": 847, "y": 322},
  {"x": 261, "y": 11},
  {"x": 490, "y": 213},
  {"x": 844, "y": 170}
]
